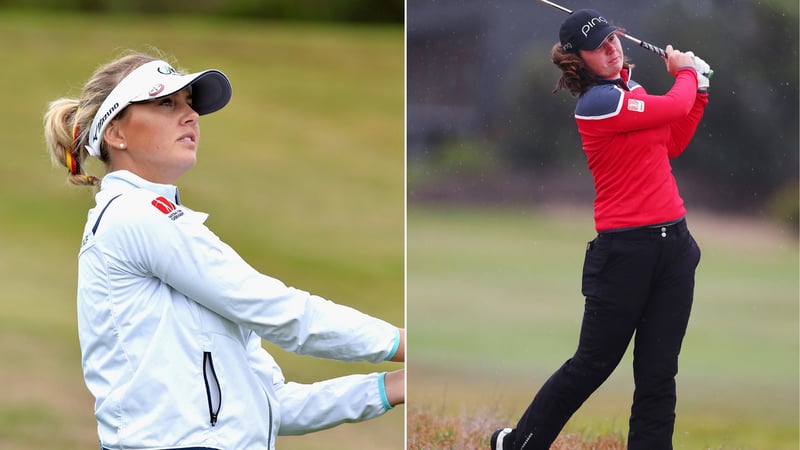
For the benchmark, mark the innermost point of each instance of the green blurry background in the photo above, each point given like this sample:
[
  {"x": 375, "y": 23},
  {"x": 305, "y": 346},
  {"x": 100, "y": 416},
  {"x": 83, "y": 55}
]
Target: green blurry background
[{"x": 302, "y": 173}]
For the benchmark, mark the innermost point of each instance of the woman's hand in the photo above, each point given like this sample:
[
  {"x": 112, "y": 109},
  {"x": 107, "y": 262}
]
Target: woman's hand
[{"x": 676, "y": 59}]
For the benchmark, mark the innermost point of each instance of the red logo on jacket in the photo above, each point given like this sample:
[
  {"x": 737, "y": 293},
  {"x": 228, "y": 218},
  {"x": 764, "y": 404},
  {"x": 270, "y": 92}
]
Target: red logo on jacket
[{"x": 163, "y": 205}]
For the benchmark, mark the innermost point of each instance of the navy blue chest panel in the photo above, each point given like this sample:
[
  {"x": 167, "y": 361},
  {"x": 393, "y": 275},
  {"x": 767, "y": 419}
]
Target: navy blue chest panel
[{"x": 601, "y": 101}]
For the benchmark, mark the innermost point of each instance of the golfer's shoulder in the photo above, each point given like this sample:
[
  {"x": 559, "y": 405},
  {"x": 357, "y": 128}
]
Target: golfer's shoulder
[
  {"x": 136, "y": 208},
  {"x": 138, "y": 201},
  {"x": 599, "y": 101}
]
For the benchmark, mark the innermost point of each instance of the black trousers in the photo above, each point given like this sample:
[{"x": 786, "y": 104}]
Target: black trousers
[{"x": 638, "y": 282}]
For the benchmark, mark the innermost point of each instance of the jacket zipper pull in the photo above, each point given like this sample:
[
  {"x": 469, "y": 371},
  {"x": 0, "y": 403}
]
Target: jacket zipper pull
[{"x": 213, "y": 390}]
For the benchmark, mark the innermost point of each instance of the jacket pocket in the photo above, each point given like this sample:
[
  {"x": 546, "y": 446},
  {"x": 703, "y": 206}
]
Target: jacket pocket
[{"x": 213, "y": 390}]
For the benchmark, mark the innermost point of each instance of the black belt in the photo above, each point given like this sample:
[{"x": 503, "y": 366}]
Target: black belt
[{"x": 662, "y": 230}]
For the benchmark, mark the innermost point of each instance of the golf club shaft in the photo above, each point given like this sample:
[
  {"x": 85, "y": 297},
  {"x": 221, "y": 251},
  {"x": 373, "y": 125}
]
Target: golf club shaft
[{"x": 556, "y": 6}]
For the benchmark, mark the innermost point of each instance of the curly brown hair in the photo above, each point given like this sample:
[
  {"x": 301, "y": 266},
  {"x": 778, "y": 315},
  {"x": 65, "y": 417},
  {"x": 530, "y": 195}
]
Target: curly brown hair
[{"x": 575, "y": 76}]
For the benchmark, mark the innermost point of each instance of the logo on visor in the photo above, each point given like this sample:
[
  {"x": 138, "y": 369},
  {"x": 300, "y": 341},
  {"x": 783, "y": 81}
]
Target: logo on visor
[
  {"x": 102, "y": 120},
  {"x": 166, "y": 69},
  {"x": 155, "y": 90}
]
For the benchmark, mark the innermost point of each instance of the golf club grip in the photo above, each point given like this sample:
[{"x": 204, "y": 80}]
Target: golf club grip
[
  {"x": 657, "y": 50},
  {"x": 653, "y": 48}
]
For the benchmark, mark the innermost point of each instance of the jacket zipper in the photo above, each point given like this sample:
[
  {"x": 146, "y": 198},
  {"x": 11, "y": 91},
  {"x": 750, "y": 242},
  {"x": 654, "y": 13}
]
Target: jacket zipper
[{"x": 213, "y": 390}]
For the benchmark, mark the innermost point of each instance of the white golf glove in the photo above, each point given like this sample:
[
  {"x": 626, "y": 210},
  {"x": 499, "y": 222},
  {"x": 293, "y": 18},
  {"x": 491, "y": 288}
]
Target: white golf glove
[{"x": 703, "y": 72}]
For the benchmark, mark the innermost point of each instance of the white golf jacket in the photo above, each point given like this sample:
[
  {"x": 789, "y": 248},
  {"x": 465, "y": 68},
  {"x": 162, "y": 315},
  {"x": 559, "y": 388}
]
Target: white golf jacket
[{"x": 170, "y": 321}]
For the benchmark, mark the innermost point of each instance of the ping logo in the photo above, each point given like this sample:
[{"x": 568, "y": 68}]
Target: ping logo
[
  {"x": 591, "y": 24},
  {"x": 163, "y": 205}
]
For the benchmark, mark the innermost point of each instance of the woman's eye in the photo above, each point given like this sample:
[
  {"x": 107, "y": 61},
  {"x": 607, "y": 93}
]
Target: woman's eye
[{"x": 166, "y": 102}]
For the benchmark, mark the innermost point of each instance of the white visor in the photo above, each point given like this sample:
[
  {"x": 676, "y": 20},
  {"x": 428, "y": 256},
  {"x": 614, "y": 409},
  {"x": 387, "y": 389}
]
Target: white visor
[{"x": 211, "y": 90}]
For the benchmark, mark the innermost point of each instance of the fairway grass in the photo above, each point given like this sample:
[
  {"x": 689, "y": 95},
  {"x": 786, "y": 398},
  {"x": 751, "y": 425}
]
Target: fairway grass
[
  {"x": 495, "y": 307},
  {"x": 302, "y": 173}
]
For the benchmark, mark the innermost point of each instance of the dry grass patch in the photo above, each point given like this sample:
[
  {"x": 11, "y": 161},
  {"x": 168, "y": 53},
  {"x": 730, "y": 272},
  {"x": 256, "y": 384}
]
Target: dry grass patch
[{"x": 433, "y": 431}]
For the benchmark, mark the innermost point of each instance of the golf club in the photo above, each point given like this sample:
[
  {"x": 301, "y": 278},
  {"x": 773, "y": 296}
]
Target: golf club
[{"x": 657, "y": 50}]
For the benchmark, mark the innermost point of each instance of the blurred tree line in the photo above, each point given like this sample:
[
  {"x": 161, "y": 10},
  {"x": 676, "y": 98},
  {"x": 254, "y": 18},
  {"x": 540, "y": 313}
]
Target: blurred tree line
[{"x": 380, "y": 11}]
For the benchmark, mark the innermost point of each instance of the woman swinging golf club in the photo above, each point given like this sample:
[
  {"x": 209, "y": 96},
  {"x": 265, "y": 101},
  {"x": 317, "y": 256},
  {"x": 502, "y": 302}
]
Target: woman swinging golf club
[{"x": 638, "y": 273}]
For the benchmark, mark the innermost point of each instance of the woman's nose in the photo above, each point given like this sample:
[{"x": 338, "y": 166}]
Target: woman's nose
[{"x": 190, "y": 115}]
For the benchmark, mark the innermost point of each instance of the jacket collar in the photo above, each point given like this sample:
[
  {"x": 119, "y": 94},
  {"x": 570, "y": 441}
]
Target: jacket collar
[
  {"x": 622, "y": 81},
  {"x": 121, "y": 180}
]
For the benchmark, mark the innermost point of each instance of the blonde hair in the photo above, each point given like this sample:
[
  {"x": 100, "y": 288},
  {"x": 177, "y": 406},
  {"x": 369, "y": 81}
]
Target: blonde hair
[{"x": 67, "y": 120}]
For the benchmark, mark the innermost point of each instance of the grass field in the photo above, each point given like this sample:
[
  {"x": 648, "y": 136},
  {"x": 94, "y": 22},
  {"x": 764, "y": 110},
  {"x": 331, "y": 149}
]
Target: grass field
[
  {"x": 302, "y": 173},
  {"x": 495, "y": 307}
]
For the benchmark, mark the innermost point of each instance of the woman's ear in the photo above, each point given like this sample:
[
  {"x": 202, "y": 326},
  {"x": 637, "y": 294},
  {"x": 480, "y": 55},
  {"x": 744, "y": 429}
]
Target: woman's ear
[{"x": 114, "y": 135}]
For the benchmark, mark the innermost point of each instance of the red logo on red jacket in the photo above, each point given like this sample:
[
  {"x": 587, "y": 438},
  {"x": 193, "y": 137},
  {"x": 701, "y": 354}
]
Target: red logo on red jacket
[{"x": 163, "y": 205}]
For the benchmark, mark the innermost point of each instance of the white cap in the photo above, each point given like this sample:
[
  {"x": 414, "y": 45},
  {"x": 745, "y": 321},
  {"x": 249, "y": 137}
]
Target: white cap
[{"x": 211, "y": 90}]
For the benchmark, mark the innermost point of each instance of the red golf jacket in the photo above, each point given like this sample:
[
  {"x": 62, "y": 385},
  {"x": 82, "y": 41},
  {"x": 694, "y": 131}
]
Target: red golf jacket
[{"x": 629, "y": 137}]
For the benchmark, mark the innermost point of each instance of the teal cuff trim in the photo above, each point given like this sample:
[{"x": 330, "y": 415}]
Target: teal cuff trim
[
  {"x": 396, "y": 345},
  {"x": 382, "y": 391}
]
